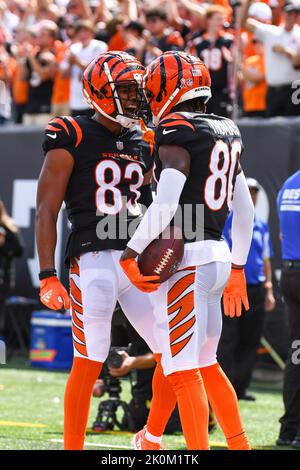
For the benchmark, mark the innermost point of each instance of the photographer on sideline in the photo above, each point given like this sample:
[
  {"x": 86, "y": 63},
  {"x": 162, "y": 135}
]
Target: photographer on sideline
[
  {"x": 146, "y": 361},
  {"x": 138, "y": 364},
  {"x": 10, "y": 247}
]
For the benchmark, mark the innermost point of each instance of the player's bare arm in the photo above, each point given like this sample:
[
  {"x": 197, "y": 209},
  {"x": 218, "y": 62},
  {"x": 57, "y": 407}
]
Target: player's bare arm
[
  {"x": 52, "y": 186},
  {"x": 244, "y": 12},
  {"x": 173, "y": 156}
]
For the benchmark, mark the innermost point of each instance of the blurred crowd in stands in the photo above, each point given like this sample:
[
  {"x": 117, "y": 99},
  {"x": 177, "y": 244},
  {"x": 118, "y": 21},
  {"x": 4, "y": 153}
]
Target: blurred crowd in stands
[{"x": 251, "y": 48}]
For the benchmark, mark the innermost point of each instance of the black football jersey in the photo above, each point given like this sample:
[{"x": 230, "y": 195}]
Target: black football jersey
[
  {"x": 214, "y": 144},
  {"x": 106, "y": 182},
  {"x": 217, "y": 58}
]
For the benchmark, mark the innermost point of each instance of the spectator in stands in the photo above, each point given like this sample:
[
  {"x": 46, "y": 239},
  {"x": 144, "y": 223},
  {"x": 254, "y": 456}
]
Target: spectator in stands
[
  {"x": 10, "y": 247},
  {"x": 282, "y": 43},
  {"x": 135, "y": 40},
  {"x": 261, "y": 12},
  {"x": 60, "y": 101},
  {"x": 187, "y": 17},
  {"x": 162, "y": 38},
  {"x": 81, "y": 52},
  {"x": 241, "y": 335},
  {"x": 6, "y": 70},
  {"x": 214, "y": 47},
  {"x": 254, "y": 82},
  {"x": 147, "y": 28},
  {"x": 289, "y": 217},
  {"x": 19, "y": 88},
  {"x": 38, "y": 68}
]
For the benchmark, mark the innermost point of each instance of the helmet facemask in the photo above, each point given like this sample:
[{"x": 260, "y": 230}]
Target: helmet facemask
[{"x": 121, "y": 92}]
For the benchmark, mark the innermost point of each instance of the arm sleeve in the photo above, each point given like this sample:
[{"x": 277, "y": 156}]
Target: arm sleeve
[
  {"x": 242, "y": 221},
  {"x": 161, "y": 211}
]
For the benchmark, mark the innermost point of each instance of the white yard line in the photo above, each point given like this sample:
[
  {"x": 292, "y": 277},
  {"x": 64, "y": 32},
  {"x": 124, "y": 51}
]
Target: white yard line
[{"x": 95, "y": 444}]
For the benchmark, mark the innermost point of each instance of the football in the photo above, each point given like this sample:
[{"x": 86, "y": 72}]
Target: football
[{"x": 163, "y": 256}]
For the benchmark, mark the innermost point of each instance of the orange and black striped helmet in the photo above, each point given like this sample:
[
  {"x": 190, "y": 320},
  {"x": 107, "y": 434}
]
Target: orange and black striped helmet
[
  {"x": 172, "y": 78},
  {"x": 101, "y": 79}
]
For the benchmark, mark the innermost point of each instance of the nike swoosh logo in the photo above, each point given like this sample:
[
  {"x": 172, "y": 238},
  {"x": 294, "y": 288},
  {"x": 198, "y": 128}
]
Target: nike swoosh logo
[
  {"x": 53, "y": 136},
  {"x": 165, "y": 132}
]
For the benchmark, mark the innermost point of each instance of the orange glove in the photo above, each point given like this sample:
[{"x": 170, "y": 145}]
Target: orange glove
[
  {"x": 132, "y": 271},
  {"x": 53, "y": 294},
  {"x": 235, "y": 293}
]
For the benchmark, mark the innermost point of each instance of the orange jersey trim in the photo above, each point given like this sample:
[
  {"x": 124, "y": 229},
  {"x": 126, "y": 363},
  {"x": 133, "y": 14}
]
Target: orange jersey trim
[
  {"x": 77, "y": 129},
  {"x": 52, "y": 128},
  {"x": 179, "y": 123},
  {"x": 61, "y": 123}
]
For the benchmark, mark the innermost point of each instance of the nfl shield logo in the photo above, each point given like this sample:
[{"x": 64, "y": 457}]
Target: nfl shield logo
[{"x": 120, "y": 145}]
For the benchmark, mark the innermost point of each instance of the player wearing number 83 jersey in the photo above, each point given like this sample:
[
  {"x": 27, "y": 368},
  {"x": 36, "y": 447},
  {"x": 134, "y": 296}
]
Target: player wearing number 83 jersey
[
  {"x": 107, "y": 179},
  {"x": 101, "y": 167}
]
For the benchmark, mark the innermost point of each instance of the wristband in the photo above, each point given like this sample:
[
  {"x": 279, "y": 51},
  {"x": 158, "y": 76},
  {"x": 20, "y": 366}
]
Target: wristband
[{"x": 47, "y": 273}]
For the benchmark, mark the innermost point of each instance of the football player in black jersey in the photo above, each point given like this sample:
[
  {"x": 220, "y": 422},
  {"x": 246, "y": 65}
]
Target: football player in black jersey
[
  {"x": 101, "y": 167},
  {"x": 199, "y": 180}
]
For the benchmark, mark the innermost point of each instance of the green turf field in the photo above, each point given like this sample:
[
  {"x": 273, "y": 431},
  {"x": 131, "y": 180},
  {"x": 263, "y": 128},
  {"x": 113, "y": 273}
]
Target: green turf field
[{"x": 31, "y": 404}]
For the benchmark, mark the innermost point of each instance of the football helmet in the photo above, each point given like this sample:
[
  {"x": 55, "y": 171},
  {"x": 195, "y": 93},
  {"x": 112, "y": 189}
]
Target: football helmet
[
  {"x": 101, "y": 79},
  {"x": 172, "y": 78}
]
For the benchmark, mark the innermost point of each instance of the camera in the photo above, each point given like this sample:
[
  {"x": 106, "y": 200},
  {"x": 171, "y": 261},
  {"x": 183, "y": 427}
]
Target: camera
[
  {"x": 106, "y": 417},
  {"x": 115, "y": 359}
]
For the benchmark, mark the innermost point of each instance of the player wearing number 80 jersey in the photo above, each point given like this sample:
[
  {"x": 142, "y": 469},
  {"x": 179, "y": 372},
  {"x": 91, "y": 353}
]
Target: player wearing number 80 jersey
[
  {"x": 197, "y": 164},
  {"x": 214, "y": 145}
]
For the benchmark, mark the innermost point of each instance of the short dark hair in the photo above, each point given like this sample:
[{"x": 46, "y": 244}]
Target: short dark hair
[
  {"x": 193, "y": 106},
  {"x": 135, "y": 25},
  {"x": 156, "y": 13}
]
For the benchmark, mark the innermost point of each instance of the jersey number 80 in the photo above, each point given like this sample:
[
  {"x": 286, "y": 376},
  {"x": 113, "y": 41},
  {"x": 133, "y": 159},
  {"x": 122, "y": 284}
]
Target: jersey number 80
[{"x": 223, "y": 176}]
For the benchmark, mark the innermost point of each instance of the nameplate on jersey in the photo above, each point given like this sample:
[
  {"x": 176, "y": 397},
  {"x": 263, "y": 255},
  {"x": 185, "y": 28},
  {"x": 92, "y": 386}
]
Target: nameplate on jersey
[
  {"x": 223, "y": 128},
  {"x": 122, "y": 156}
]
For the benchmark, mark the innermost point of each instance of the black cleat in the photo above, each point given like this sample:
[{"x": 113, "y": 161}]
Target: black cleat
[
  {"x": 283, "y": 441},
  {"x": 296, "y": 443},
  {"x": 247, "y": 397}
]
